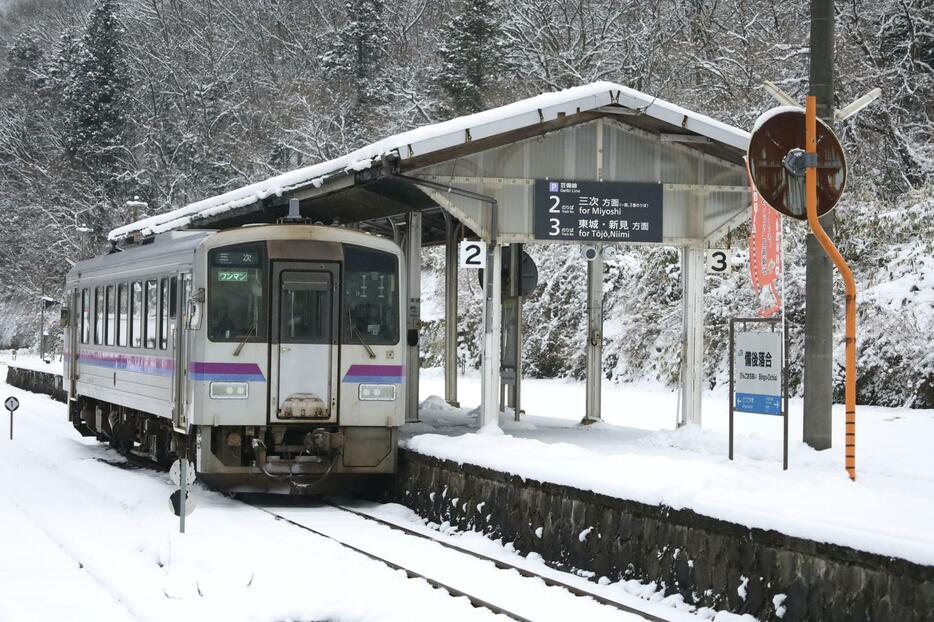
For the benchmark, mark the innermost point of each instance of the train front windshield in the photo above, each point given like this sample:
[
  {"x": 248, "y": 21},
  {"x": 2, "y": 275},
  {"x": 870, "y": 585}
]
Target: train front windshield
[{"x": 237, "y": 293}]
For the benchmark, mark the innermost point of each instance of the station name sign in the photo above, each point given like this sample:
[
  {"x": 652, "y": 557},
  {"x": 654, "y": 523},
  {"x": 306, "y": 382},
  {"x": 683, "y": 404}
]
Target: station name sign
[
  {"x": 758, "y": 369},
  {"x": 598, "y": 211}
]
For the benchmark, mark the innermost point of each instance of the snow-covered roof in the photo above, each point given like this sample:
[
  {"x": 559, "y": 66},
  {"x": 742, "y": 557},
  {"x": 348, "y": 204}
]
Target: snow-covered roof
[{"x": 439, "y": 136}]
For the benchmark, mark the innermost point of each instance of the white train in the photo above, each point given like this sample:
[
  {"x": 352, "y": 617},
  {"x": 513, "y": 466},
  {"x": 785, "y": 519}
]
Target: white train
[{"x": 273, "y": 355}]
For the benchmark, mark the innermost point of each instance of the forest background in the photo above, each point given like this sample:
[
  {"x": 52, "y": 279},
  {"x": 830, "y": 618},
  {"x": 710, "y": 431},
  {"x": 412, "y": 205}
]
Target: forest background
[{"x": 173, "y": 101}]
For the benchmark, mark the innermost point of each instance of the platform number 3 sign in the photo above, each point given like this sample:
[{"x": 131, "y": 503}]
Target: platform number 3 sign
[
  {"x": 719, "y": 261},
  {"x": 473, "y": 254}
]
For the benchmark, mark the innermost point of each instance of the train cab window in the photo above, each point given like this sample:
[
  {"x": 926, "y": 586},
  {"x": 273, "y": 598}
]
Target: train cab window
[
  {"x": 164, "y": 314},
  {"x": 152, "y": 313},
  {"x": 85, "y": 316},
  {"x": 123, "y": 319},
  {"x": 371, "y": 296},
  {"x": 237, "y": 293},
  {"x": 98, "y": 315},
  {"x": 136, "y": 322},
  {"x": 110, "y": 318}
]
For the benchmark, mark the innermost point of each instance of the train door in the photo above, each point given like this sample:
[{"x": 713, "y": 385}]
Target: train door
[
  {"x": 303, "y": 348},
  {"x": 182, "y": 338},
  {"x": 74, "y": 327}
]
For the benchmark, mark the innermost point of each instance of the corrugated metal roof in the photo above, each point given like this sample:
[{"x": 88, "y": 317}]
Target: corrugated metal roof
[{"x": 438, "y": 137}]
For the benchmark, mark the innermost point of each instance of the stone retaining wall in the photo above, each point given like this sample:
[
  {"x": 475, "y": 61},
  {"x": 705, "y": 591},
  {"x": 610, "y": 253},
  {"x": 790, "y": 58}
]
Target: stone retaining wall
[
  {"x": 37, "y": 381},
  {"x": 709, "y": 562}
]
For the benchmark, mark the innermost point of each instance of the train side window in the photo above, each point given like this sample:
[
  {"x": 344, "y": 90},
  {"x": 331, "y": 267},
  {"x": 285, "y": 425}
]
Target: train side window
[
  {"x": 98, "y": 315},
  {"x": 85, "y": 315},
  {"x": 110, "y": 317},
  {"x": 173, "y": 298},
  {"x": 152, "y": 313},
  {"x": 164, "y": 314},
  {"x": 136, "y": 325},
  {"x": 123, "y": 305}
]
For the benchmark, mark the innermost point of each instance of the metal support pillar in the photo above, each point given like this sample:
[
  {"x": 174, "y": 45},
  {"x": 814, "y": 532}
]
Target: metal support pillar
[
  {"x": 594, "y": 339},
  {"x": 818, "y": 310},
  {"x": 492, "y": 335},
  {"x": 514, "y": 392},
  {"x": 692, "y": 274},
  {"x": 450, "y": 311},
  {"x": 413, "y": 255}
]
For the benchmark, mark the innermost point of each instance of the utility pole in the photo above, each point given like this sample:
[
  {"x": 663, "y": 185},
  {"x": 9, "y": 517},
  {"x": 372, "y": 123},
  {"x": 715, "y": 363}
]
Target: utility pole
[
  {"x": 818, "y": 319},
  {"x": 42, "y": 324}
]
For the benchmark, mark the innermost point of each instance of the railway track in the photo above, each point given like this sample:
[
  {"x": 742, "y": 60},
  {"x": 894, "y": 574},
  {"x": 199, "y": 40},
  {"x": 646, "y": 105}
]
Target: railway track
[
  {"x": 304, "y": 519},
  {"x": 306, "y": 524}
]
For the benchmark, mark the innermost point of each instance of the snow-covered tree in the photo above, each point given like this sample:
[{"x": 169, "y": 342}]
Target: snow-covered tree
[
  {"x": 356, "y": 61},
  {"x": 95, "y": 96},
  {"x": 470, "y": 56}
]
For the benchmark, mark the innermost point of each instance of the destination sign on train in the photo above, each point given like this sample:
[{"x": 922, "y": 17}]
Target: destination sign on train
[
  {"x": 598, "y": 211},
  {"x": 238, "y": 258}
]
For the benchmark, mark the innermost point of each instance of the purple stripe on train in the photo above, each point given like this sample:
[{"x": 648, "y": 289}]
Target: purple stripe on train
[
  {"x": 158, "y": 366},
  {"x": 384, "y": 374},
  {"x": 230, "y": 372}
]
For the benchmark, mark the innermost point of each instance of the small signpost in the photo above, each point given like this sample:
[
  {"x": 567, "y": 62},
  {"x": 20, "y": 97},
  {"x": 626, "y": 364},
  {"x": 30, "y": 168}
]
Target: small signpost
[
  {"x": 598, "y": 211},
  {"x": 719, "y": 261},
  {"x": 758, "y": 382},
  {"x": 473, "y": 254},
  {"x": 11, "y": 404},
  {"x": 180, "y": 501}
]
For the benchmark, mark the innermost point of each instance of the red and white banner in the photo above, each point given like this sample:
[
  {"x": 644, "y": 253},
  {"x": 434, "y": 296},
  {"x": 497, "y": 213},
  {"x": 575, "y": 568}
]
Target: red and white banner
[{"x": 765, "y": 251}]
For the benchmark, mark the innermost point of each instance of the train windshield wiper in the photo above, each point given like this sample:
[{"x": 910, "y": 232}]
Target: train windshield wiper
[
  {"x": 243, "y": 339},
  {"x": 356, "y": 332}
]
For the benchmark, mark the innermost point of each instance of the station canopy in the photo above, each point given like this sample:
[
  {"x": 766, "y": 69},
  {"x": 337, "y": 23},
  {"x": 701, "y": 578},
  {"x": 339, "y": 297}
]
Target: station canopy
[{"x": 597, "y": 132}]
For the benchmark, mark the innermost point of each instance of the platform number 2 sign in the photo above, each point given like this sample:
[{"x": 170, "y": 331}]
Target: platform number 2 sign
[
  {"x": 719, "y": 261},
  {"x": 473, "y": 254}
]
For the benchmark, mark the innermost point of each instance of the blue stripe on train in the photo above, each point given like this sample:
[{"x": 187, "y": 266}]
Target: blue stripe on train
[{"x": 209, "y": 377}]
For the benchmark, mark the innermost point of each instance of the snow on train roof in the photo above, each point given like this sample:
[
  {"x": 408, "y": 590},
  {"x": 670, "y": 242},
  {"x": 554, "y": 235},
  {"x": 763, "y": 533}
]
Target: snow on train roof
[{"x": 438, "y": 136}]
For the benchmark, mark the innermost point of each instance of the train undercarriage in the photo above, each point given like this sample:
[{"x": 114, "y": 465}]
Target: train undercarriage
[{"x": 289, "y": 459}]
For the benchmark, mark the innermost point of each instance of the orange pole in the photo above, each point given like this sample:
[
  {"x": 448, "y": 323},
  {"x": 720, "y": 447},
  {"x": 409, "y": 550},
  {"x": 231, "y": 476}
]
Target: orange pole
[{"x": 848, "y": 281}]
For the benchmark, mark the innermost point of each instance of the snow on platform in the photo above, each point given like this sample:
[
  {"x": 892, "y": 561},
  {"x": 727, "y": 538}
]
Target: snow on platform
[
  {"x": 636, "y": 454},
  {"x": 32, "y": 362}
]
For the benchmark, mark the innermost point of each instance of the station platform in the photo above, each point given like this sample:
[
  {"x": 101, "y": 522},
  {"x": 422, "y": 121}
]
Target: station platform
[{"x": 637, "y": 454}]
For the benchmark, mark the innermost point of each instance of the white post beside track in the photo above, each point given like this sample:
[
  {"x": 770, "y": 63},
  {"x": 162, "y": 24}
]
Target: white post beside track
[
  {"x": 413, "y": 260},
  {"x": 594, "y": 339},
  {"x": 692, "y": 274},
  {"x": 492, "y": 335}
]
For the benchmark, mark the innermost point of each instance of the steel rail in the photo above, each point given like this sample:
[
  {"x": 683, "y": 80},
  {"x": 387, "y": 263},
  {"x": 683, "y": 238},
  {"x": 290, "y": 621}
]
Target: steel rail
[
  {"x": 502, "y": 565},
  {"x": 411, "y": 574}
]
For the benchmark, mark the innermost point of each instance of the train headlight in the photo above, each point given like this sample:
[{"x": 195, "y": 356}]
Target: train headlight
[
  {"x": 376, "y": 392},
  {"x": 229, "y": 390}
]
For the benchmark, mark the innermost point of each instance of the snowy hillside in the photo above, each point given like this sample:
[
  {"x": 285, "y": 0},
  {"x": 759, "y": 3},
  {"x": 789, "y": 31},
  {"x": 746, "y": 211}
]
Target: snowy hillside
[{"x": 103, "y": 101}]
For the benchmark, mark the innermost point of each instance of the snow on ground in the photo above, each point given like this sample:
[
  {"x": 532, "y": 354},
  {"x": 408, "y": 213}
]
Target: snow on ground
[
  {"x": 637, "y": 454},
  {"x": 81, "y": 539},
  {"x": 104, "y": 537}
]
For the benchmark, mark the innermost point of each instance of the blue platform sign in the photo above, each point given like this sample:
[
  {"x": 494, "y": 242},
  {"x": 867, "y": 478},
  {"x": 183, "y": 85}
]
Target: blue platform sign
[{"x": 758, "y": 373}]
